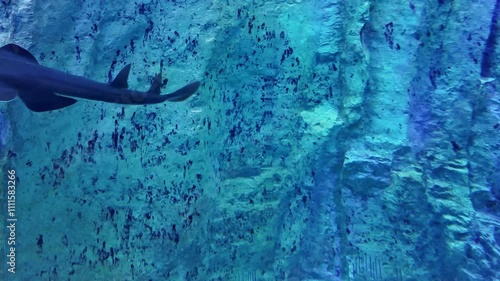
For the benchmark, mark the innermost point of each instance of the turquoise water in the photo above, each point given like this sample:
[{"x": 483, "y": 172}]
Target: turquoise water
[{"x": 328, "y": 140}]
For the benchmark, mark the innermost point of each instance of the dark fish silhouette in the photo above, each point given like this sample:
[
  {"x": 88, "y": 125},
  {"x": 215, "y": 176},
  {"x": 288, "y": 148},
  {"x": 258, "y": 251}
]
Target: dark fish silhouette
[{"x": 43, "y": 89}]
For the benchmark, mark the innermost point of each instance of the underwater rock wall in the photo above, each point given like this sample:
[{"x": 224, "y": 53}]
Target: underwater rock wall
[
  {"x": 5, "y": 135},
  {"x": 330, "y": 140}
]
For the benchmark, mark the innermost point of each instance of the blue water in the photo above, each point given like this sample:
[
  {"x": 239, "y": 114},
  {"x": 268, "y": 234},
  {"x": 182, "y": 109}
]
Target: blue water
[{"x": 327, "y": 141}]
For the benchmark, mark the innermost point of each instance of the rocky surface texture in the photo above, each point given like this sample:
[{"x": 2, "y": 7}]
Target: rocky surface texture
[{"x": 330, "y": 140}]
